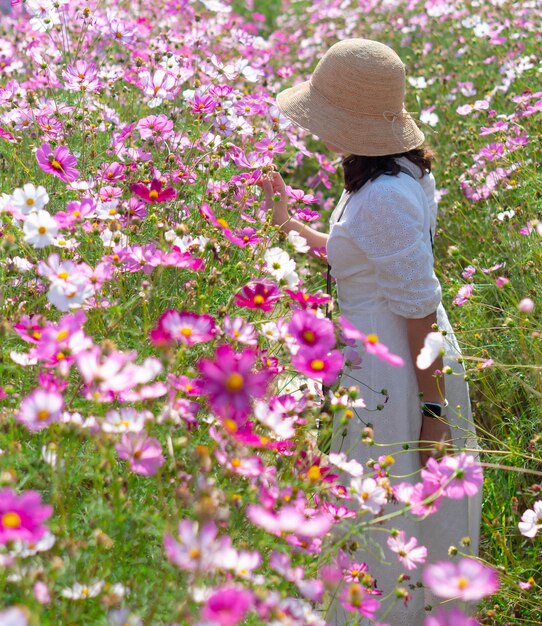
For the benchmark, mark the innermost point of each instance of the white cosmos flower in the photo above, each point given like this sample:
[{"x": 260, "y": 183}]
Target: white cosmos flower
[
  {"x": 429, "y": 118},
  {"x": 531, "y": 520},
  {"x": 29, "y": 198},
  {"x": 125, "y": 420},
  {"x": 368, "y": 493},
  {"x": 279, "y": 263},
  {"x": 82, "y": 592},
  {"x": 40, "y": 229},
  {"x": 351, "y": 467},
  {"x": 70, "y": 294},
  {"x": 433, "y": 347},
  {"x": 297, "y": 241}
]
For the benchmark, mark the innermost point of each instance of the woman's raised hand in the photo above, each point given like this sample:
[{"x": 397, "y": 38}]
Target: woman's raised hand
[{"x": 276, "y": 197}]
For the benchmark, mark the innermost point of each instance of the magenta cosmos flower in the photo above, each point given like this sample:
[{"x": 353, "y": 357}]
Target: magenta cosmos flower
[
  {"x": 312, "y": 332},
  {"x": 323, "y": 366},
  {"x": 467, "y": 580},
  {"x": 154, "y": 193},
  {"x": 356, "y": 599},
  {"x": 230, "y": 383},
  {"x": 261, "y": 295},
  {"x": 60, "y": 162},
  {"x": 21, "y": 516},
  {"x": 183, "y": 327},
  {"x": 228, "y": 606},
  {"x": 144, "y": 453}
]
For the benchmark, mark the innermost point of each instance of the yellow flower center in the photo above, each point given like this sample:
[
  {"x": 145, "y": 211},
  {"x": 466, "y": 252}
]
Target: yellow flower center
[
  {"x": 223, "y": 223},
  {"x": 112, "y": 211},
  {"x": 236, "y": 462},
  {"x": 463, "y": 582},
  {"x": 43, "y": 415},
  {"x": 56, "y": 165},
  {"x": 309, "y": 336},
  {"x": 365, "y": 495},
  {"x": 63, "y": 276},
  {"x": 314, "y": 473},
  {"x": 186, "y": 332},
  {"x": 258, "y": 299},
  {"x": 230, "y": 425},
  {"x": 30, "y": 202},
  {"x": 195, "y": 553},
  {"x": 318, "y": 365},
  {"x": 235, "y": 382},
  {"x": 372, "y": 338},
  {"x": 153, "y": 194},
  {"x": 42, "y": 230},
  {"x": 137, "y": 454},
  {"x": 62, "y": 335},
  {"x": 76, "y": 214},
  {"x": 11, "y": 520}
]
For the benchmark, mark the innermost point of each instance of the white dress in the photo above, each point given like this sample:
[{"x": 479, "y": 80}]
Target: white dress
[{"x": 381, "y": 256}]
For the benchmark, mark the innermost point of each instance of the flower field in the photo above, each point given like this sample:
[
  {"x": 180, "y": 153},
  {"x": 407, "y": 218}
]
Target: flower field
[{"x": 163, "y": 345}]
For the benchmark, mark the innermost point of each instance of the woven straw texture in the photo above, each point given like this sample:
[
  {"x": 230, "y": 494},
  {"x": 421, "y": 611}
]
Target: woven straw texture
[{"x": 355, "y": 100}]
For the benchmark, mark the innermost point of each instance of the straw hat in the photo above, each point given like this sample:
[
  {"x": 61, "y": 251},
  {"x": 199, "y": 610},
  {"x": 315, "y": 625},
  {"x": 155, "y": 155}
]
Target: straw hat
[{"x": 355, "y": 100}]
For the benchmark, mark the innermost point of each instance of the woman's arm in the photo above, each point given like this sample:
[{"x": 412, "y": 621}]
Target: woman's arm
[
  {"x": 277, "y": 199},
  {"x": 431, "y": 387}
]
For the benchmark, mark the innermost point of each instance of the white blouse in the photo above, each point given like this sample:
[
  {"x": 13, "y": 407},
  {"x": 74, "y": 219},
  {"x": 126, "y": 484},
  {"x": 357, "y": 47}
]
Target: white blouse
[{"x": 380, "y": 248}]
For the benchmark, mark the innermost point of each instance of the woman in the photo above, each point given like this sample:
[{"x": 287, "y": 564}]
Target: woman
[{"x": 380, "y": 251}]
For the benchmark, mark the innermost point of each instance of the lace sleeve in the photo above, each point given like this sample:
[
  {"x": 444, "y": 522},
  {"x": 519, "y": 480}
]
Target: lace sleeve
[{"x": 389, "y": 228}]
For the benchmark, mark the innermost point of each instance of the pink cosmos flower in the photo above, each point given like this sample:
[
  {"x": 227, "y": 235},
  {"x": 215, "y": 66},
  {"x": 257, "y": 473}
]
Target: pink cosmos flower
[
  {"x": 312, "y": 332},
  {"x": 370, "y": 342},
  {"x": 466, "y": 580},
  {"x": 354, "y": 572},
  {"x": 459, "y": 476},
  {"x": 240, "y": 330},
  {"x": 81, "y": 76},
  {"x": 356, "y": 599},
  {"x": 40, "y": 408},
  {"x": 262, "y": 294},
  {"x": 463, "y": 295},
  {"x": 197, "y": 548},
  {"x": 154, "y": 193},
  {"x": 203, "y": 104},
  {"x": 21, "y": 517},
  {"x": 13, "y": 616},
  {"x": 230, "y": 383},
  {"x": 228, "y": 606},
  {"x": 326, "y": 367},
  {"x": 289, "y": 520},
  {"x": 144, "y": 453},
  {"x": 531, "y": 520},
  {"x": 155, "y": 127},
  {"x": 408, "y": 552},
  {"x": 453, "y": 617},
  {"x": 60, "y": 162},
  {"x": 183, "y": 327}
]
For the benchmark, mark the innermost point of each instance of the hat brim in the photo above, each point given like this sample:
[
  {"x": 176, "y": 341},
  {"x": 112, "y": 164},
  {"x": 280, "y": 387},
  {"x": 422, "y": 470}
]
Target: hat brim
[{"x": 353, "y": 133}]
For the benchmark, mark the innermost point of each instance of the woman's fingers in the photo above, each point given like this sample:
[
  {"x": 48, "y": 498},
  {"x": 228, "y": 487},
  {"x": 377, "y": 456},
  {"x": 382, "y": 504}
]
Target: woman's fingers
[{"x": 268, "y": 191}]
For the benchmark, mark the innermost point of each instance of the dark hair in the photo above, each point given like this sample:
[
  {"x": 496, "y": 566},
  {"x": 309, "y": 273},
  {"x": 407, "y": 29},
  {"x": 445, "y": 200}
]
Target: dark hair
[{"x": 359, "y": 170}]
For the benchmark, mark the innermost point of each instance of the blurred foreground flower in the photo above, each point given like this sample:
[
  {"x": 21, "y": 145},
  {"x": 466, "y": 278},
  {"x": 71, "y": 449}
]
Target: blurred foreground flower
[
  {"x": 21, "y": 517},
  {"x": 467, "y": 580}
]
